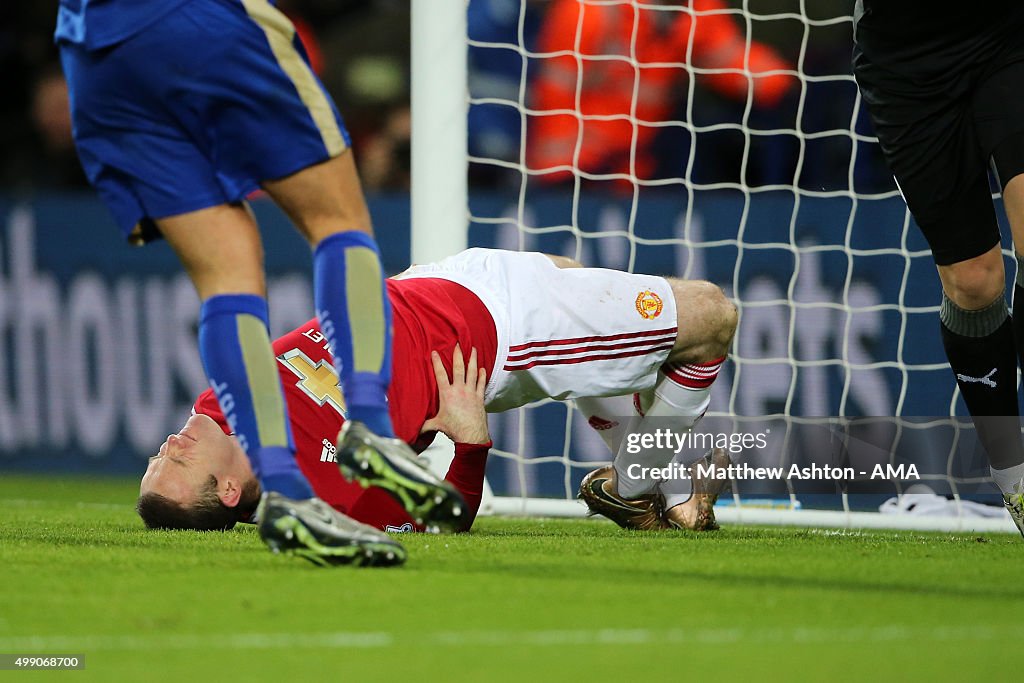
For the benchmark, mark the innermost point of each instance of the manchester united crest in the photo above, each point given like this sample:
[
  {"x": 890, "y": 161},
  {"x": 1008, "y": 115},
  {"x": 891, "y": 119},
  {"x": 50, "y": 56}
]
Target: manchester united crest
[{"x": 649, "y": 304}]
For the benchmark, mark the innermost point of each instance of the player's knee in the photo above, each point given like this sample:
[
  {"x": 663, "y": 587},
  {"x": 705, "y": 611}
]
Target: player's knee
[
  {"x": 973, "y": 284},
  {"x": 722, "y": 317},
  {"x": 564, "y": 261},
  {"x": 730, "y": 319},
  {"x": 706, "y": 309}
]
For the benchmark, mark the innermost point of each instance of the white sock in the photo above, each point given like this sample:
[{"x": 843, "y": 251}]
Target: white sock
[
  {"x": 673, "y": 499},
  {"x": 609, "y": 416},
  {"x": 677, "y": 491},
  {"x": 1008, "y": 480},
  {"x": 683, "y": 393}
]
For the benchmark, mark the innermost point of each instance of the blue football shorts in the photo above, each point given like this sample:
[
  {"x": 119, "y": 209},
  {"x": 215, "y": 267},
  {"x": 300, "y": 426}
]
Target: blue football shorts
[{"x": 196, "y": 110}]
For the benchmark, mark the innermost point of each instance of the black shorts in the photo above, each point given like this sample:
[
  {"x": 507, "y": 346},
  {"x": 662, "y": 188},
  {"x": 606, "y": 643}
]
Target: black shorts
[{"x": 939, "y": 142}]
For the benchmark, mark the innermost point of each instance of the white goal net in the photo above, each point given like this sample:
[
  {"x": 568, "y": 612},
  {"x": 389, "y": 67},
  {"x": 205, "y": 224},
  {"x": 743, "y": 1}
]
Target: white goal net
[{"x": 714, "y": 139}]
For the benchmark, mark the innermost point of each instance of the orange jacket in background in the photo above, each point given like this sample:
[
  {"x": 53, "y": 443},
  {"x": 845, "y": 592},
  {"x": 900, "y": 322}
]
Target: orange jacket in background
[{"x": 606, "y": 86}]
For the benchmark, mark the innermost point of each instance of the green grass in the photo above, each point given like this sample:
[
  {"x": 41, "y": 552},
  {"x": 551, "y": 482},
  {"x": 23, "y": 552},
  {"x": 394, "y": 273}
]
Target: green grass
[{"x": 515, "y": 600}]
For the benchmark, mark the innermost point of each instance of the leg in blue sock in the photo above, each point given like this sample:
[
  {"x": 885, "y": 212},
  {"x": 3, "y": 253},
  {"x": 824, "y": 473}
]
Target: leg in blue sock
[
  {"x": 239, "y": 361},
  {"x": 355, "y": 316}
]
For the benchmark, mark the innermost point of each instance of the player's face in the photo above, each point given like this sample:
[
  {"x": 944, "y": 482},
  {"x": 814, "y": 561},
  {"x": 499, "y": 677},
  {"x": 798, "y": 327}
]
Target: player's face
[{"x": 186, "y": 460}]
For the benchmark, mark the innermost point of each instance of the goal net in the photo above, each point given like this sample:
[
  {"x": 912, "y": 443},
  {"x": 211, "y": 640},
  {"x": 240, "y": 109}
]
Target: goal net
[{"x": 714, "y": 139}]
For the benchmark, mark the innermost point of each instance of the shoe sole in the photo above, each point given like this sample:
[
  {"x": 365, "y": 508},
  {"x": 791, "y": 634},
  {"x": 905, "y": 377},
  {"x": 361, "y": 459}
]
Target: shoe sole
[
  {"x": 306, "y": 546},
  {"x": 423, "y": 501}
]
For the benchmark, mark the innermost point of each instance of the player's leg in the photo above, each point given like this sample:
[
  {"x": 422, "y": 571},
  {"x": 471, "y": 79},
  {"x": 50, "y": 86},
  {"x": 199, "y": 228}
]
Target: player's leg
[
  {"x": 939, "y": 155},
  {"x": 681, "y": 504},
  {"x": 262, "y": 117},
  {"x": 959, "y": 222},
  {"x": 706, "y": 324},
  {"x": 234, "y": 341},
  {"x": 1008, "y": 159},
  {"x": 978, "y": 337},
  {"x": 326, "y": 203},
  {"x": 320, "y": 191},
  {"x": 609, "y": 416},
  {"x": 295, "y": 145},
  {"x": 997, "y": 116},
  {"x": 706, "y": 329}
]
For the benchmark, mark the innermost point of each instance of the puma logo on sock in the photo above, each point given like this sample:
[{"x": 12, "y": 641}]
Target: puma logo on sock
[{"x": 987, "y": 379}]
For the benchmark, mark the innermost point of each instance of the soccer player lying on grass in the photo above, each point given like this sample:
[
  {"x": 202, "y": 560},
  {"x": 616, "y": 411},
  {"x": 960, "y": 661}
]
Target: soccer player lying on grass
[
  {"x": 539, "y": 327},
  {"x": 201, "y": 479}
]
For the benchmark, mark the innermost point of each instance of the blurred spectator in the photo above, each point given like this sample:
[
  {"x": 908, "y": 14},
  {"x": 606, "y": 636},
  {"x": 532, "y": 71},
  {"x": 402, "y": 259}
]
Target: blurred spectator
[
  {"x": 34, "y": 111},
  {"x": 385, "y": 162},
  {"x": 673, "y": 33},
  {"x": 49, "y": 161},
  {"x": 359, "y": 48},
  {"x": 54, "y": 163},
  {"x": 366, "y": 53}
]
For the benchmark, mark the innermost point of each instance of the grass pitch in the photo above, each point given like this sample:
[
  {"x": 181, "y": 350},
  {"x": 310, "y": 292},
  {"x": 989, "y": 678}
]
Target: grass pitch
[{"x": 515, "y": 600}]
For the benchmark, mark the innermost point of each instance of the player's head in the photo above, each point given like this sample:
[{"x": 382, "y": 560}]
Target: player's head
[{"x": 200, "y": 479}]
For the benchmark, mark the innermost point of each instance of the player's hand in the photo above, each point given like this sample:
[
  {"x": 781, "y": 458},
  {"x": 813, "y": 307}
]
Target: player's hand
[{"x": 460, "y": 415}]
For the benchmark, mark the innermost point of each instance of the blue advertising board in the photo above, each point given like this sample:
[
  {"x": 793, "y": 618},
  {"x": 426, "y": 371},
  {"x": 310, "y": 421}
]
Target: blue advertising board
[{"x": 99, "y": 363}]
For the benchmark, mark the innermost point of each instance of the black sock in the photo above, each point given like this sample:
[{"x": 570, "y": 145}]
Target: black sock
[{"x": 983, "y": 356}]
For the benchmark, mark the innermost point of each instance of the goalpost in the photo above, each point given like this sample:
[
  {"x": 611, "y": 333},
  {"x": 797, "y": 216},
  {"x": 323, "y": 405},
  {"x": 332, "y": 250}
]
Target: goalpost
[{"x": 786, "y": 207}]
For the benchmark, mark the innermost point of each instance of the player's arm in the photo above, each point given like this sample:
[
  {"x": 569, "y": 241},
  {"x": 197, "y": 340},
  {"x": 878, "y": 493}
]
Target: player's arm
[{"x": 462, "y": 418}]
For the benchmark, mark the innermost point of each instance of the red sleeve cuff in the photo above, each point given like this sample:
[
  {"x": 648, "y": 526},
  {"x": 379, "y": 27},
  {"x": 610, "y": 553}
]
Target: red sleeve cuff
[{"x": 466, "y": 473}]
